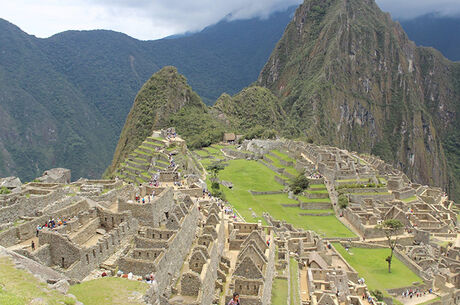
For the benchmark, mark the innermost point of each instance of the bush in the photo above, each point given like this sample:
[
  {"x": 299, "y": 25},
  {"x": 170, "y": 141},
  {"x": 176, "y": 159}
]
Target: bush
[
  {"x": 299, "y": 184},
  {"x": 343, "y": 201},
  {"x": 4, "y": 191},
  {"x": 377, "y": 294}
]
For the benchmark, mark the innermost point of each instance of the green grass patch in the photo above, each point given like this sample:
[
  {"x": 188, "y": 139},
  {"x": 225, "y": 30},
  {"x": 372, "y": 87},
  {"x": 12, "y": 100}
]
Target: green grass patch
[
  {"x": 317, "y": 187},
  {"x": 294, "y": 274},
  {"x": 19, "y": 287},
  {"x": 410, "y": 199},
  {"x": 282, "y": 156},
  {"x": 291, "y": 170},
  {"x": 109, "y": 290},
  {"x": 251, "y": 175},
  {"x": 315, "y": 191},
  {"x": 306, "y": 199},
  {"x": 279, "y": 292},
  {"x": 371, "y": 265}
]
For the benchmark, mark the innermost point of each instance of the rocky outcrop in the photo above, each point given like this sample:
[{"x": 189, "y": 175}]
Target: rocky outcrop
[{"x": 56, "y": 175}]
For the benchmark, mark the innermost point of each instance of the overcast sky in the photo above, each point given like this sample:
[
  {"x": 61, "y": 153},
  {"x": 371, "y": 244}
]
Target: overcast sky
[{"x": 152, "y": 19}]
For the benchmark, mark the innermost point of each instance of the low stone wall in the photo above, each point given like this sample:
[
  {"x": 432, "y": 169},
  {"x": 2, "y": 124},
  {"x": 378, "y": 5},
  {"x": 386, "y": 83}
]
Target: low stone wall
[
  {"x": 281, "y": 181},
  {"x": 315, "y": 206},
  {"x": 411, "y": 264},
  {"x": 238, "y": 154},
  {"x": 360, "y": 198},
  {"x": 192, "y": 192},
  {"x": 272, "y": 167},
  {"x": 255, "y": 193}
]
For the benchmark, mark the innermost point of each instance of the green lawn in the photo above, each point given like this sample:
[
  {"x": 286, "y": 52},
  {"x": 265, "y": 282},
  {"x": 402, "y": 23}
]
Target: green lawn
[
  {"x": 19, "y": 287},
  {"x": 410, "y": 199},
  {"x": 291, "y": 170},
  {"x": 110, "y": 290},
  {"x": 317, "y": 191},
  {"x": 371, "y": 265},
  {"x": 317, "y": 186},
  {"x": 251, "y": 175},
  {"x": 282, "y": 156},
  {"x": 306, "y": 199},
  {"x": 294, "y": 274},
  {"x": 279, "y": 292}
]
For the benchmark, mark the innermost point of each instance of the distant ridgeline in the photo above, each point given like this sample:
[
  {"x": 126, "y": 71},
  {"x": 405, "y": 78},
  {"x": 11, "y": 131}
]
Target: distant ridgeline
[
  {"x": 64, "y": 99},
  {"x": 343, "y": 74}
]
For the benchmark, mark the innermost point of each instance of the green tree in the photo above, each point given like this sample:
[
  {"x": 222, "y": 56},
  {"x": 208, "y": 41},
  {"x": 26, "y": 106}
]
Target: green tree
[
  {"x": 299, "y": 184},
  {"x": 215, "y": 168},
  {"x": 343, "y": 201},
  {"x": 391, "y": 228}
]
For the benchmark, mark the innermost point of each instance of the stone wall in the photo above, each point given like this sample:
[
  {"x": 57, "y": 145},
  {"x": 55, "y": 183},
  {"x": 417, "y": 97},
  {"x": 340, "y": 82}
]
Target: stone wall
[
  {"x": 171, "y": 262},
  {"x": 315, "y": 206},
  {"x": 410, "y": 264},
  {"x": 209, "y": 277},
  {"x": 269, "y": 273},
  {"x": 30, "y": 206}
]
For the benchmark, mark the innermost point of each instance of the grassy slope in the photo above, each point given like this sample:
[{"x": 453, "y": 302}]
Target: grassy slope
[
  {"x": 251, "y": 175},
  {"x": 18, "y": 287},
  {"x": 279, "y": 292},
  {"x": 110, "y": 290},
  {"x": 371, "y": 265},
  {"x": 294, "y": 272}
]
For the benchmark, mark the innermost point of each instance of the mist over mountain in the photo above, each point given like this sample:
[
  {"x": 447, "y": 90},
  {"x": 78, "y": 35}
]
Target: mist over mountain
[{"x": 437, "y": 31}]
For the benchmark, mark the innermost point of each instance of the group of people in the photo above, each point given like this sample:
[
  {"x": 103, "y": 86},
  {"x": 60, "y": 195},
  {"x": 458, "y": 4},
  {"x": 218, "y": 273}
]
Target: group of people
[
  {"x": 52, "y": 223},
  {"x": 316, "y": 176},
  {"x": 410, "y": 293},
  {"x": 170, "y": 134},
  {"x": 140, "y": 199}
]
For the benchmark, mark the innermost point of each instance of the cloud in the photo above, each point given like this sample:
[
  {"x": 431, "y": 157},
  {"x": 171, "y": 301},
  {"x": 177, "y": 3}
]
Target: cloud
[
  {"x": 142, "y": 19},
  {"x": 152, "y": 19},
  {"x": 407, "y": 9}
]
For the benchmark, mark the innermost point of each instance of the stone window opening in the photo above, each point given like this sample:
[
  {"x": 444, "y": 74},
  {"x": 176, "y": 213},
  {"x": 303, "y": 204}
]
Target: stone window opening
[
  {"x": 62, "y": 262},
  {"x": 161, "y": 235},
  {"x": 105, "y": 219},
  {"x": 167, "y": 215}
]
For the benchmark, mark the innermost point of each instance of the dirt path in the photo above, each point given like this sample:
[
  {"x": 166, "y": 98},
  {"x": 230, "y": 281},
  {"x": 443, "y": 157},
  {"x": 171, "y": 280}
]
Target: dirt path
[{"x": 304, "y": 292}]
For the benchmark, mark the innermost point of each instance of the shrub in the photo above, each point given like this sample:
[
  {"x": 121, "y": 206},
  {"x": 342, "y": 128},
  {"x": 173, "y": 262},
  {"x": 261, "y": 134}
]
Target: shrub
[
  {"x": 4, "y": 191},
  {"x": 343, "y": 201},
  {"x": 299, "y": 184},
  {"x": 377, "y": 294}
]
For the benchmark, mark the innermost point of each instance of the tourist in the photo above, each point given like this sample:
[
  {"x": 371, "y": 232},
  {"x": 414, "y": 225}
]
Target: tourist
[
  {"x": 143, "y": 200},
  {"x": 33, "y": 246},
  {"x": 38, "y": 229},
  {"x": 235, "y": 300}
]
